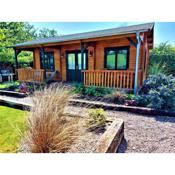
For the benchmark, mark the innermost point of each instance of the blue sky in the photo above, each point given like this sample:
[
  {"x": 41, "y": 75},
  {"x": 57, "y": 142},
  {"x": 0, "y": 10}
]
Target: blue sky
[{"x": 164, "y": 31}]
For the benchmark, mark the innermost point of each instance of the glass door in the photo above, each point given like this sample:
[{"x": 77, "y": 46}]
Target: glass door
[{"x": 75, "y": 64}]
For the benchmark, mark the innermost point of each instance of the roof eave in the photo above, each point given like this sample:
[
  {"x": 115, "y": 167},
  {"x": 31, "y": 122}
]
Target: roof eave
[{"x": 88, "y": 38}]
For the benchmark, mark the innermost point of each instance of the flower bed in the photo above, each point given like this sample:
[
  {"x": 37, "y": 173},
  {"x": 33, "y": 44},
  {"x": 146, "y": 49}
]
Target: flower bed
[
  {"x": 157, "y": 92},
  {"x": 18, "y": 89}
]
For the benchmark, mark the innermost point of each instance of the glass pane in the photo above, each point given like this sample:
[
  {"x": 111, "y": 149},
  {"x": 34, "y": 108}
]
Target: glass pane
[
  {"x": 110, "y": 63},
  {"x": 79, "y": 61},
  {"x": 85, "y": 64},
  {"x": 71, "y": 61},
  {"x": 47, "y": 61},
  {"x": 122, "y": 59}
]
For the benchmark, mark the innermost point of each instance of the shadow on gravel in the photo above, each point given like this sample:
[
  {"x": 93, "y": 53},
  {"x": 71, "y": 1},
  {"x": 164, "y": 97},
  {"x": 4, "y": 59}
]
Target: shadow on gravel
[
  {"x": 123, "y": 146},
  {"x": 165, "y": 119}
]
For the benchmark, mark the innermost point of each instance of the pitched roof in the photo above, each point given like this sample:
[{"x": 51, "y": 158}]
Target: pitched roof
[{"x": 88, "y": 35}]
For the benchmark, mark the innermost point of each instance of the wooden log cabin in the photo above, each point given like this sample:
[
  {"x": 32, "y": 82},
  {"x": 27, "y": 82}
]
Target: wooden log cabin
[{"x": 116, "y": 57}]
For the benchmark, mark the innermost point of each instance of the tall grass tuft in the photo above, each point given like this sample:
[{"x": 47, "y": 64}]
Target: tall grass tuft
[
  {"x": 49, "y": 130},
  {"x": 157, "y": 68}
]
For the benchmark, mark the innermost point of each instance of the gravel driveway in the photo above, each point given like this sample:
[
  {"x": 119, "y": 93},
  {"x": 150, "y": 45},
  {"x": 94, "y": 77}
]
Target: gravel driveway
[{"x": 143, "y": 134}]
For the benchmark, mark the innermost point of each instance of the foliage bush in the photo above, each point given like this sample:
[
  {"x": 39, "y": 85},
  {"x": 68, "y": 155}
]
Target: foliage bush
[
  {"x": 30, "y": 87},
  {"x": 96, "y": 119},
  {"x": 157, "y": 92},
  {"x": 162, "y": 59},
  {"x": 9, "y": 85},
  {"x": 129, "y": 96},
  {"x": 91, "y": 91}
]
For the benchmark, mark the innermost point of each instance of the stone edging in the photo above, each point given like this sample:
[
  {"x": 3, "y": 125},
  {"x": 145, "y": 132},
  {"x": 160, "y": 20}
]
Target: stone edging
[{"x": 112, "y": 138}]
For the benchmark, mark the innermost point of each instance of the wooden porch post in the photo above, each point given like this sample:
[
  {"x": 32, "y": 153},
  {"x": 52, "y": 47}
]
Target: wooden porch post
[
  {"x": 82, "y": 55},
  {"x": 42, "y": 57},
  {"x": 16, "y": 58},
  {"x": 82, "y": 60},
  {"x": 137, "y": 63}
]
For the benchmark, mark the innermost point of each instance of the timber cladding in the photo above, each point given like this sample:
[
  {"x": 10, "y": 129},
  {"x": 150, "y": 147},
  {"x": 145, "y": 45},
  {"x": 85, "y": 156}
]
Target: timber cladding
[{"x": 96, "y": 55}]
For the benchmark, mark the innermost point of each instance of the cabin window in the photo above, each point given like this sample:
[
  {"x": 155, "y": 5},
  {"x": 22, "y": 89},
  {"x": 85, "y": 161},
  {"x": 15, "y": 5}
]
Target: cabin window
[
  {"x": 111, "y": 59},
  {"x": 47, "y": 62},
  {"x": 116, "y": 58}
]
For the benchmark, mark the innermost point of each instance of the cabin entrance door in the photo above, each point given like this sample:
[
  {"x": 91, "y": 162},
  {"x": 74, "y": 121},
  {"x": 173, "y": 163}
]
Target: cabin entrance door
[{"x": 75, "y": 64}]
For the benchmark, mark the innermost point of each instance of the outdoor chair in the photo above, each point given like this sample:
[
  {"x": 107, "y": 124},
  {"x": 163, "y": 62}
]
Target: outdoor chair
[{"x": 6, "y": 73}]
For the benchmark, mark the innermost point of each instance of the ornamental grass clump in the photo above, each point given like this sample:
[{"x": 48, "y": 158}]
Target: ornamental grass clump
[
  {"x": 49, "y": 130},
  {"x": 117, "y": 97}
]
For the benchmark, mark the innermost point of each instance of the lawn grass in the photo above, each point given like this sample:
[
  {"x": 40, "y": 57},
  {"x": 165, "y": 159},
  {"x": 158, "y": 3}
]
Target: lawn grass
[
  {"x": 6, "y": 85},
  {"x": 12, "y": 122}
]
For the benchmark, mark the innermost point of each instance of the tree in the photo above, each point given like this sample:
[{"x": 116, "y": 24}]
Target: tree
[
  {"x": 12, "y": 33},
  {"x": 45, "y": 33},
  {"x": 162, "y": 59}
]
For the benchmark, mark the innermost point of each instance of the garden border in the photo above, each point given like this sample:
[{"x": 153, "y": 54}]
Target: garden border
[
  {"x": 111, "y": 139},
  {"x": 97, "y": 104},
  {"x": 15, "y": 104},
  {"x": 13, "y": 94},
  {"x": 116, "y": 107}
]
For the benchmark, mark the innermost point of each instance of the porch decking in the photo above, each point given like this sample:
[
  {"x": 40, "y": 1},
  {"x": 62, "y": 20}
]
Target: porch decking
[{"x": 110, "y": 78}]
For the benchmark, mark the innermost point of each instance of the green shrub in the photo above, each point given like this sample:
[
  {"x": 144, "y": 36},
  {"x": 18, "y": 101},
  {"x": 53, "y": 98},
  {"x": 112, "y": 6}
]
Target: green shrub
[
  {"x": 158, "y": 92},
  {"x": 130, "y": 96},
  {"x": 91, "y": 91},
  {"x": 96, "y": 119},
  {"x": 163, "y": 56}
]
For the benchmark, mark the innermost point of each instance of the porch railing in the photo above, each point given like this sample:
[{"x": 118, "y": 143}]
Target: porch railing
[
  {"x": 110, "y": 78},
  {"x": 28, "y": 74}
]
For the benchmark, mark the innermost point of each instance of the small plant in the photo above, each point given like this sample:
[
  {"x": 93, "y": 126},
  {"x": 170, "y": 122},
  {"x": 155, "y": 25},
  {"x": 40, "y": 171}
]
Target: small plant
[
  {"x": 96, "y": 120},
  {"x": 23, "y": 88},
  {"x": 117, "y": 97},
  {"x": 30, "y": 87},
  {"x": 49, "y": 130},
  {"x": 130, "y": 96}
]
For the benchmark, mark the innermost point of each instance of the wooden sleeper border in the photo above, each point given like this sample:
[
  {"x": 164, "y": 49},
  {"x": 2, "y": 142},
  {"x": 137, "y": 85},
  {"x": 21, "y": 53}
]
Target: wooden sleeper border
[
  {"x": 133, "y": 109},
  {"x": 90, "y": 104},
  {"x": 112, "y": 138}
]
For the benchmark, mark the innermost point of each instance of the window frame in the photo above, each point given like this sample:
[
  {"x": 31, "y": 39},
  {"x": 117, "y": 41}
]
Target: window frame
[
  {"x": 116, "y": 49},
  {"x": 48, "y": 64}
]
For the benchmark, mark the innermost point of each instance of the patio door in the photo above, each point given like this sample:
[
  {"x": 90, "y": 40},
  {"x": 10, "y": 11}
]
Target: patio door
[{"x": 75, "y": 64}]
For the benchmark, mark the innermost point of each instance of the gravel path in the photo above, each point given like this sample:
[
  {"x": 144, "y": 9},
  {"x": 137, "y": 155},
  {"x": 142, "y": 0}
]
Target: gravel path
[{"x": 143, "y": 134}]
